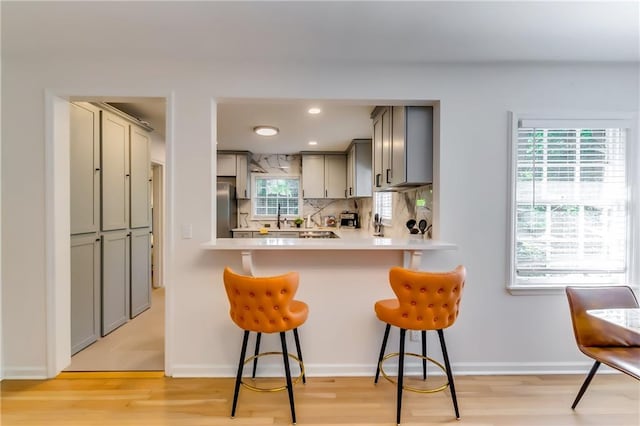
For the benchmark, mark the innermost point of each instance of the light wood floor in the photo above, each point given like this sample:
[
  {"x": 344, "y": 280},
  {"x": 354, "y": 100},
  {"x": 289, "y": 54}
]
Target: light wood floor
[
  {"x": 137, "y": 345},
  {"x": 611, "y": 400}
]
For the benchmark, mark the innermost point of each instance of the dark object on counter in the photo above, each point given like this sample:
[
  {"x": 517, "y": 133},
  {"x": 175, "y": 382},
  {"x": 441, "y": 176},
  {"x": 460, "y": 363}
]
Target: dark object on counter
[
  {"x": 377, "y": 225},
  {"x": 410, "y": 224},
  {"x": 349, "y": 220},
  {"x": 422, "y": 225}
]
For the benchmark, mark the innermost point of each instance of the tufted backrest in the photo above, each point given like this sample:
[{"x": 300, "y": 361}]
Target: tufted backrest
[
  {"x": 591, "y": 331},
  {"x": 264, "y": 304},
  {"x": 428, "y": 300}
]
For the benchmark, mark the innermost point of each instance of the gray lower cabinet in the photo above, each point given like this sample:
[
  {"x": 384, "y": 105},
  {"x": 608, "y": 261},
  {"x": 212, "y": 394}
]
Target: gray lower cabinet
[
  {"x": 140, "y": 271},
  {"x": 115, "y": 280},
  {"x": 85, "y": 291}
]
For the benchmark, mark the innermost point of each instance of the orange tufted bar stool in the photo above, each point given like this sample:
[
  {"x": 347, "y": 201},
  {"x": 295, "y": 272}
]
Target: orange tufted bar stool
[
  {"x": 265, "y": 305},
  {"x": 425, "y": 301}
]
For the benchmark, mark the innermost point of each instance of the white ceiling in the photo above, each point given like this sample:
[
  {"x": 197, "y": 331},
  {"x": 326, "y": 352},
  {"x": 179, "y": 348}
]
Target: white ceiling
[{"x": 320, "y": 33}]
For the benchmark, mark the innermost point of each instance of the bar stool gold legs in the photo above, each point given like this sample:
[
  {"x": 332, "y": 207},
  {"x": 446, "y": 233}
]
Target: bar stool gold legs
[{"x": 424, "y": 301}]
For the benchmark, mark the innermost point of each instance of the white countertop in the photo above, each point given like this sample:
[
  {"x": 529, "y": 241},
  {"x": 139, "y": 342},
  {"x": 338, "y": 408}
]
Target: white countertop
[{"x": 355, "y": 243}]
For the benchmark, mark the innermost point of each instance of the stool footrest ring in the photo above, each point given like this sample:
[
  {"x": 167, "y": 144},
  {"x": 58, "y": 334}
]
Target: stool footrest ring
[
  {"x": 278, "y": 388},
  {"x": 410, "y": 388}
]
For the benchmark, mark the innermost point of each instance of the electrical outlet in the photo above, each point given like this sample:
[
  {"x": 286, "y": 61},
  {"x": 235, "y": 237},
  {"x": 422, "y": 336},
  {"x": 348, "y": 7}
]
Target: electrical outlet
[{"x": 414, "y": 335}]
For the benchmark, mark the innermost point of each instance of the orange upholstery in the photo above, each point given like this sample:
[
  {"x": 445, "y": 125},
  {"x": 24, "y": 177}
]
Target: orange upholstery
[
  {"x": 264, "y": 304},
  {"x": 425, "y": 300}
]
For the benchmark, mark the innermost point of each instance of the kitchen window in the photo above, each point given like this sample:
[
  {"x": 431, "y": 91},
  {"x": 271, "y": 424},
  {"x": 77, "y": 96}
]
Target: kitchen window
[
  {"x": 383, "y": 206},
  {"x": 272, "y": 192},
  {"x": 570, "y": 203}
]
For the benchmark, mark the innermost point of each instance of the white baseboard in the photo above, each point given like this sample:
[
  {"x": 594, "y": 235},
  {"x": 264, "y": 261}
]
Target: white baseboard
[
  {"x": 24, "y": 373},
  {"x": 364, "y": 370}
]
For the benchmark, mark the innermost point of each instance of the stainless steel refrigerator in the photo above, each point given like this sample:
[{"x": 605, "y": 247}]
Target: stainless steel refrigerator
[{"x": 227, "y": 217}]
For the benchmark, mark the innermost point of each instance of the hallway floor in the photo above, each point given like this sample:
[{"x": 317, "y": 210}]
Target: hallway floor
[{"x": 136, "y": 346}]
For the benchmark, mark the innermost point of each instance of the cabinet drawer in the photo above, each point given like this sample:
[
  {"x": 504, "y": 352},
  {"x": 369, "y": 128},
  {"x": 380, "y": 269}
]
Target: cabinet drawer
[{"x": 242, "y": 234}]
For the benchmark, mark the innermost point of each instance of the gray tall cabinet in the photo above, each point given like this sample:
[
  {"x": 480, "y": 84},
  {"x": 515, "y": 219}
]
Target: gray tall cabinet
[{"x": 110, "y": 193}]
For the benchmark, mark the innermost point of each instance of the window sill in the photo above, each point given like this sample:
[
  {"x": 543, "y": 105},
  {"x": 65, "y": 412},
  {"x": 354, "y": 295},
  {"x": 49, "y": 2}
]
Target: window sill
[
  {"x": 536, "y": 290},
  {"x": 543, "y": 290}
]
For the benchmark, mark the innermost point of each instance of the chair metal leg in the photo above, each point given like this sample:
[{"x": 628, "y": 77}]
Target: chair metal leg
[
  {"x": 403, "y": 332},
  {"x": 585, "y": 385},
  {"x": 382, "y": 348},
  {"x": 236, "y": 391},
  {"x": 449, "y": 373},
  {"x": 285, "y": 357},
  {"x": 297, "y": 339},
  {"x": 256, "y": 352},
  {"x": 424, "y": 354}
]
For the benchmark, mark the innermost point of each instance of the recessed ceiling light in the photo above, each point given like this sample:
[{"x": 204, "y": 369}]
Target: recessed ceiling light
[
  {"x": 266, "y": 130},
  {"x": 313, "y": 143},
  {"x": 314, "y": 110}
]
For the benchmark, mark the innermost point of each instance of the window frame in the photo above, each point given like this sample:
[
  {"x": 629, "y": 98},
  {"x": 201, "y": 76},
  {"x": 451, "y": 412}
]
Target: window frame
[
  {"x": 254, "y": 198},
  {"x": 626, "y": 120},
  {"x": 386, "y": 219}
]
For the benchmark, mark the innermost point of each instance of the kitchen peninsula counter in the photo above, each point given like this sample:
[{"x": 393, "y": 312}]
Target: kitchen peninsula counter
[{"x": 413, "y": 247}]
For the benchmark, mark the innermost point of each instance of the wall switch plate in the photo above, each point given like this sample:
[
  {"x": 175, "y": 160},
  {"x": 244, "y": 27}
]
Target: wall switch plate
[
  {"x": 187, "y": 231},
  {"x": 414, "y": 335}
]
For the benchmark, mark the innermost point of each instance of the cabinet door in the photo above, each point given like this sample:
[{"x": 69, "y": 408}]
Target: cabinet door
[
  {"x": 313, "y": 176},
  {"x": 398, "y": 146},
  {"x": 140, "y": 179},
  {"x": 243, "y": 183},
  {"x": 115, "y": 280},
  {"x": 226, "y": 164},
  {"x": 386, "y": 148},
  {"x": 140, "y": 271},
  {"x": 115, "y": 172},
  {"x": 362, "y": 169},
  {"x": 351, "y": 171},
  {"x": 85, "y": 291},
  {"x": 84, "y": 156},
  {"x": 380, "y": 149},
  {"x": 335, "y": 176}
]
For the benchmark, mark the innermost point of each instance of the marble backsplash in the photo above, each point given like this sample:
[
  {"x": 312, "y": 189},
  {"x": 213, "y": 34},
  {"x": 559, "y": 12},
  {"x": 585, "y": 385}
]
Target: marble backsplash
[{"x": 405, "y": 205}]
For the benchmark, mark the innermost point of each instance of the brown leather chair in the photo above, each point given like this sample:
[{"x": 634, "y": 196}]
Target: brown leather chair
[
  {"x": 425, "y": 301},
  {"x": 266, "y": 305},
  {"x": 605, "y": 343}
]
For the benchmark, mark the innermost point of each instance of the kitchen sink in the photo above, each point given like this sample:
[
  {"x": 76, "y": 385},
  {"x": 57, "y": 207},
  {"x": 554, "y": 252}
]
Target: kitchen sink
[{"x": 318, "y": 234}]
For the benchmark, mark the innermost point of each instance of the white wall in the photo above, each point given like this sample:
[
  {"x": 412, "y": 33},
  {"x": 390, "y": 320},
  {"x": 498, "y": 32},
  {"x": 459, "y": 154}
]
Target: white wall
[{"x": 495, "y": 331}]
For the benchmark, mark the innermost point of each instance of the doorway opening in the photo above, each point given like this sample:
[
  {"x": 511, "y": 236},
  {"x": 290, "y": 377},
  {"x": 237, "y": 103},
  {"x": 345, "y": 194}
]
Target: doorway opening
[{"x": 135, "y": 341}]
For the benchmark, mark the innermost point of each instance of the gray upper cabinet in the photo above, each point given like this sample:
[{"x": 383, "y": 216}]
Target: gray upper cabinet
[
  {"x": 140, "y": 179},
  {"x": 402, "y": 146},
  {"x": 412, "y": 146},
  {"x": 243, "y": 180},
  {"x": 324, "y": 175},
  {"x": 115, "y": 172},
  {"x": 236, "y": 164},
  {"x": 381, "y": 148},
  {"x": 85, "y": 291},
  {"x": 84, "y": 168},
  {"x": 359, "y": 168},
  {"x": 140, "y": 271},
  {"x": 115, "y": 280}
]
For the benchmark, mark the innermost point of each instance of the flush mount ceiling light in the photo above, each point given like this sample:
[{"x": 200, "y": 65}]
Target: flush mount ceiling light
[
  {"x": 313, "y": 143},
  {"x": 266, "y": 130},
  {"x": 314, "y": 110}
]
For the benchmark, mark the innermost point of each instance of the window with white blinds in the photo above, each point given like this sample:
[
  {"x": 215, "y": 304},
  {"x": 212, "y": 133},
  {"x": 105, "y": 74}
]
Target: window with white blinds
[
  {"x": 383, "y": 206},
  {"x": 570, "y": 212}
]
